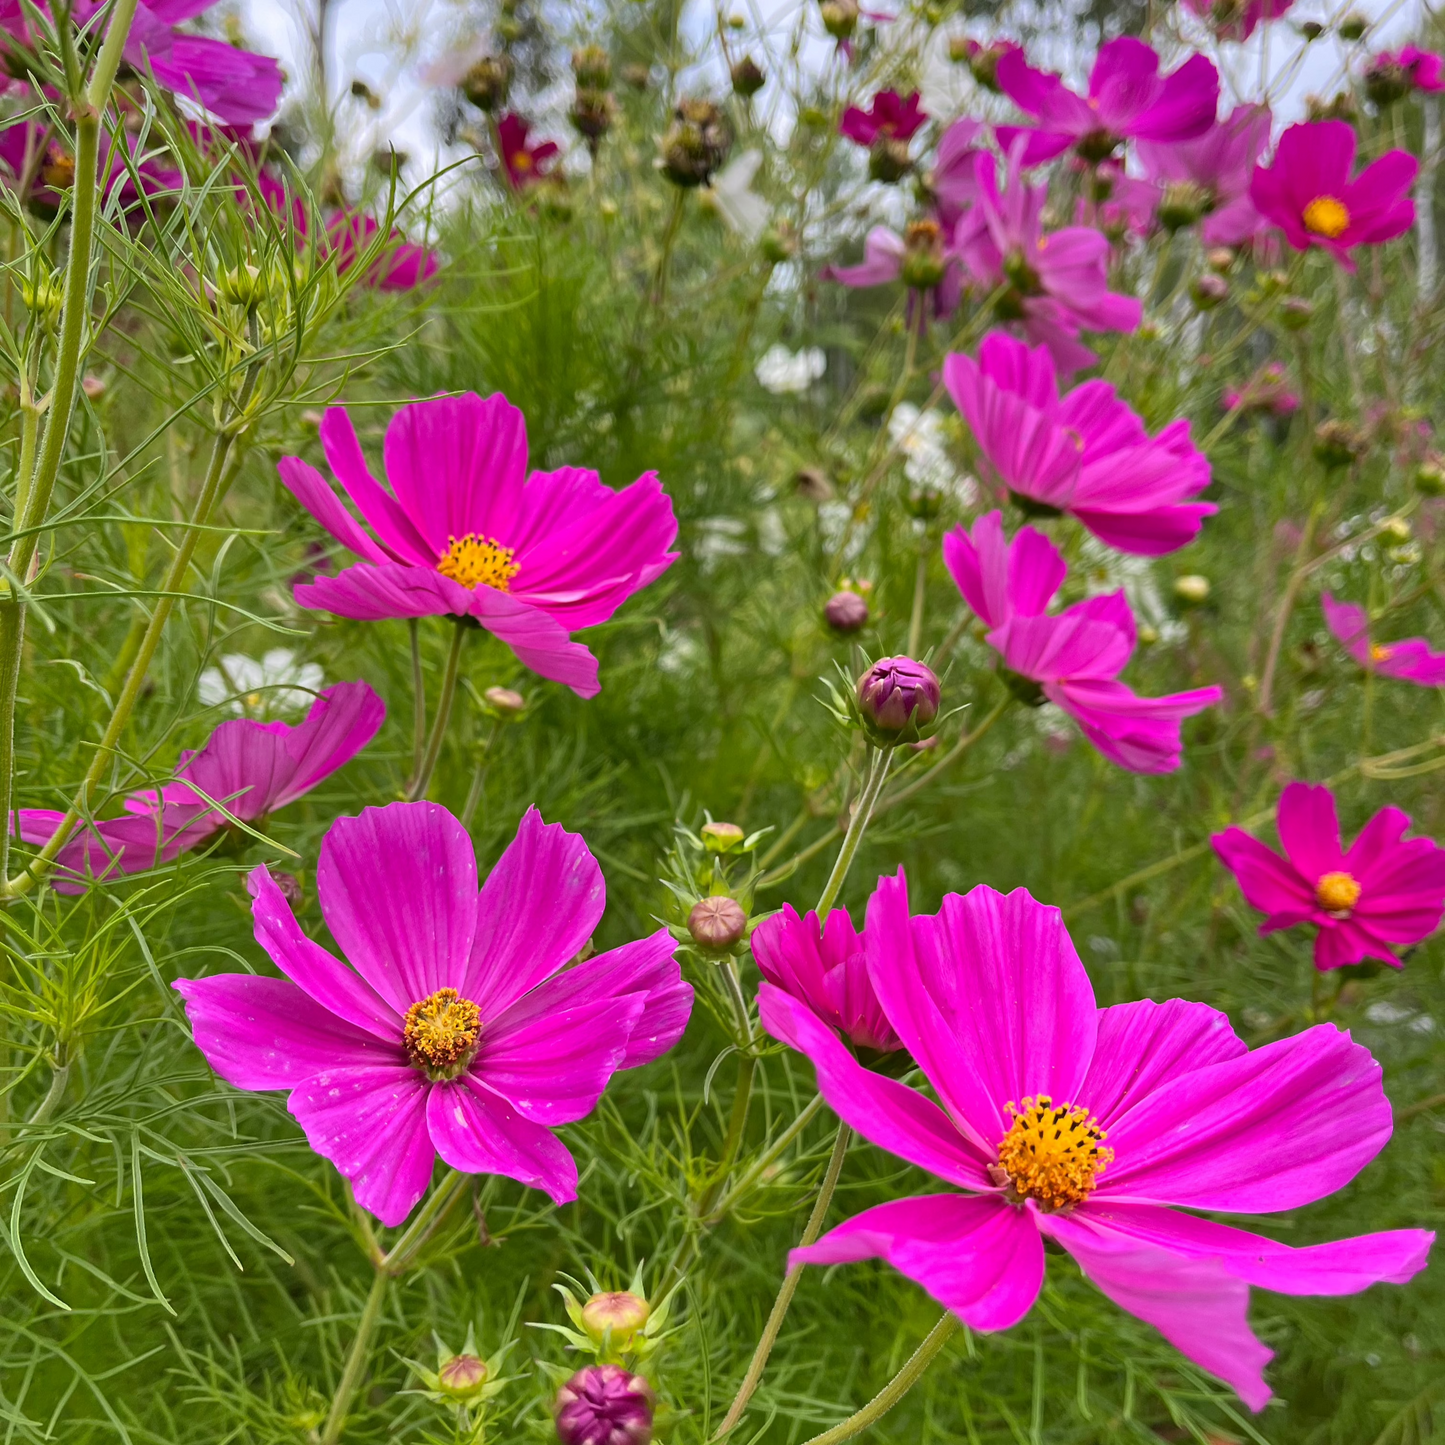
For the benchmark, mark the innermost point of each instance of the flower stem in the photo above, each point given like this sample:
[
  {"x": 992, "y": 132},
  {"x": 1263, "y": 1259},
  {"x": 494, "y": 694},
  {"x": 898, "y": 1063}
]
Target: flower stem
[
  {"x": 418, "y": 699},
  {"x": 356, "y": 1360},
  {"x": 896, "y": 1388},
  {"x": 878, "y": 765},
  {"x": 789, "y": 1286},
  {"x": 920, "y": 596},
  {"x": 479, "y": 776},
  {"x": 418, "y": 786}
]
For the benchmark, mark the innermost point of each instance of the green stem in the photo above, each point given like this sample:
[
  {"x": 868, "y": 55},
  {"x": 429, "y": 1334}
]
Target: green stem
[
  {"x": 920, "y": 594},
  {"x": 764, "y": 1160},
  {"x": 1300, "y": 571},
  {"x": 479, "y": 776},
  {"x": 418, "y": 786},
  {"x": 356, "y": 1360},
  {"x": 223, "y": 466},
  {"x": 857, "y": 824},
  {"x": 59, "y": 1077},
  {"x": 895, "y": 1389},
  {"x": 789, "y": 1286},
  {"x": 418, "y": 699}
]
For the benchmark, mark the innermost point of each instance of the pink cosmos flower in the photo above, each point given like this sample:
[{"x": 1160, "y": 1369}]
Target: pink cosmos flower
[
  {"x": 35, "y": 162},
  {"x": 457, "y": 1028},
  {"x": 236, "y": 85},
  {"x": 1072, "y": 658},
  {"x": 1381, "y": 893},
  {"x": 346, "y": 234},
  {"x": 1220, "y": 164},
  {"x": 890, "y": 117},
  {"x": 1086, "y": 453},
  {"x": 1238, "y": 19},
  {"x": 954, "y": 178},
  {"x": 465, "y": 532},
  {"x": 1128, "y": 100},
  {"x": 1058, "y": 283},
  {"x": 991, "y": 1000},
  {"x": 251, "y": 769},
  {"x": 825, "y": 969},
  {"x": 1309, "y": 194},
  {"x": 524, "y": 164},
  {"x": 1116, "y": 203},
  {"x": 1412, "y": 660},
  {"x": 1395, "y": 73}
]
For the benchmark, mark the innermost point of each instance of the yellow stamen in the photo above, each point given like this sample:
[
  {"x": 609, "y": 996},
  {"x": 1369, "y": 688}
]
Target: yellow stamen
[
  {"x": 441, "y": 1033},
  {"x": 1051, "y": 1153},
  {"x": 478, "y": 562},
  {"x": 1337, "y": 894},
  {"x": 1326, "y": 216},
  {"x": 1380, "y": 653}
]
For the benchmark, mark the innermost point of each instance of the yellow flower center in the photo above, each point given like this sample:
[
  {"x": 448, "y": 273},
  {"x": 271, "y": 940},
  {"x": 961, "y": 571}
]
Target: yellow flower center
[
  {"x": 521, "y": 161},
  {"x": 1051, "y": 1153},
  {"x": 1380, "y": 653},
  {"x": 58, "y": 172},
  {"x": 1326, "y": 216},
  {"x": 441, "y": 1033},
  {"x": 478, "y": 562},
  {"x": 1337, "y": 894}
]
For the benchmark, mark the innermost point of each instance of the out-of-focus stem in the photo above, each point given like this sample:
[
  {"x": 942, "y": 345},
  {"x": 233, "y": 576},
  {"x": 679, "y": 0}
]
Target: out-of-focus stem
[
  {"x": 356, "y": 1359},
  {"x": 1297, "y": 576},
  {"x": 857, "y": 825},
  {"x": 920, "y": 596},
  {"x": 479, "y": 775},
  {"x": 896, "y": 1388},
  {"x": 418, "y": 700},
  {"x": 789, "y": 1286},
  {"x": 418, "y": 785},
  {"x": 805, "y": 1116}
]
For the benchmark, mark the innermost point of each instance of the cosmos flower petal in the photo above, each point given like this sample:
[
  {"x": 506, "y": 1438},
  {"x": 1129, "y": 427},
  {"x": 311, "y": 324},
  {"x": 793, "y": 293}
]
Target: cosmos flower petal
[
  {"x": 371, "y": 1123},
  {"x": 539, "y": 640},
  {"x": 884, "y": 1111},
  {"x": 1270, "y": 883},
  {"x": 979, "y": 1257},
  {"x": 538, "y": 908},
  {"x": 398, "y": 889},
  {"x": 383, "y": 513},
  {"x": 265, "y": 1033},
  {"x": 1195, "y": 1304},
  {"x": 479, "y": 1132},
  {"x": 1309, "y": 830},
  {"x": 371, "y": 594},
  {"x": 311, "y": 489},
  {"x": 1274, "y": 1129}
]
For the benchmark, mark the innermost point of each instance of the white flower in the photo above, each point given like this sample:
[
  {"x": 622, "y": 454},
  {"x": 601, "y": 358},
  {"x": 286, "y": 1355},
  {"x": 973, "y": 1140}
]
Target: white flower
[
  {"x": 742, "y": 209},
  {"x": 782, "y": 371},
  {"x": 277, "y": 684},
  {"x": 919, "y": 436}
]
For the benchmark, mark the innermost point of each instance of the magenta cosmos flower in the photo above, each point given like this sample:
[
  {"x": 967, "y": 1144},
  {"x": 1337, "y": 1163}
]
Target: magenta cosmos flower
[
  {"x": 1238, "y": 19},
  {"x": 251, "y": 769},
  {"x": 1394, "y": 74},
  {"x": 466, "y": 532},
  {"x": 1057, "y": 284},
  {"x": 1218, "y": 166},
  {"x": 525, "y": 164},
  {"x": 1309, "y": 193},
  {"x": 889, "y": 117},
  {"x": 1128, "y": 100},
  {"x": 1411, "y": 660},
  {"x": 1085, "y": 453},
  {"x": 1072, "y": 658},
  {"x": 825, "y": 969},
  {"x": 457, "y": 1028},
  {"x": 1380, "y": 894},
  {"x": 990, "y": 998}
]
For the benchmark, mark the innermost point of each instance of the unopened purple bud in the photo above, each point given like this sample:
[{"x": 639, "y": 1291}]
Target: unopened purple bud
[
  {"x": 717, "y": 922},
  {"x": 289, "y": 886},
  {"x": 897, "y": 692},
  {"x": 605, "y": 1405},
  {"x": 845, "y": 611}
]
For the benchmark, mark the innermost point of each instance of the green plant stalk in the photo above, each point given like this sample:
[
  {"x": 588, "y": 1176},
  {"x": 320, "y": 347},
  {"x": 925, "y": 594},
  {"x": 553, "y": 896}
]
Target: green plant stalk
[
  {"x": 418, "y": 698},
  {"x": 418, "y": 785},
  {"x": 33, "y": 492},
  {"x": 862, "y": 810},
  {"x": 479, "y": 776},
  {"x": 920, "y": 597},
  {"x": 754, "y": 1173},
  {"x": 896, "y": 1388},
  {"x": 789, "y": 1286},
  {"x": 220, "y": 472}
]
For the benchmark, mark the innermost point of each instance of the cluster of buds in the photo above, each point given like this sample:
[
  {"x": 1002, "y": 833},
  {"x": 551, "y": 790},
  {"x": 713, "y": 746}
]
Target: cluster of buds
[
  {"x": 594, "y": 107},
  {"x": 463, "y": 1382},
  {"x": 487, "y": 83},
  {"x": 696, "y": 143},
  {"x": 712, "y": 897}
]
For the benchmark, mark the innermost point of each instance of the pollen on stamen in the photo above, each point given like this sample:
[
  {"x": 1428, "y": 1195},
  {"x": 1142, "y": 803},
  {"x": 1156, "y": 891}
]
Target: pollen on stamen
[
  {"x": 1326, "y": 216},
  {"x": 441, "y": 1032},
  {"x": 1337, "y": 894},
  {"x": 478, "y": 562},
  {"x": 1052, "y": 1153},
  {"x": 1380, "y": 653}
]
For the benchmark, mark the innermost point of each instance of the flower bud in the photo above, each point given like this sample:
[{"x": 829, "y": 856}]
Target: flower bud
[
  {"x": 923, "y": 260},
  {"x": 961, "y": 49},
  {"x": 748, "y": 76},
  {"x": 1353, "y": 26},
  {"x": 779, "y": 243},
  {"x": 720, "y": 837},
  {"x": 1295, "y": 313},
  {"x": 1311, "y": 30},
  {"x": 44, "y": 298},
  {"x": 505, "y": 701},
  {"x": 717, "y": 922},
  {"x": 241, "y": 287},
  {"x": 1209, "y": 291},
  {"x": 1337, "y": 444},
  {"x": 1336, "y": 107},
  {"x": 635, "y": 75},
  {"x": 486, "y": 84},
  {"x": 845, "y": 611},
  {"x": 1182, "y": 204},
  {"x": 1220, "y": 259},
  {"x": 983, "y": 62},
  {"x": 462, "y": 1377},
  {"x": 888, "y": 159},
  {"x": 289, "y": 887},
  {"x": 1430, "y": 476},
  {"x": 620, "y": 1312},
  {"x": 592, "y": 66},
  {"x": 93, "y": 387},
  {"x": 1387, "y": 81},
  {"x": 1192, "y": 589},
  {"x": 593, "y": 113},
  {"x": 604, "y": 1405},
  {"x": 897, "y": 693},
  {"x": 840, "y": 17},
  {"x": 696, "y": 143}
]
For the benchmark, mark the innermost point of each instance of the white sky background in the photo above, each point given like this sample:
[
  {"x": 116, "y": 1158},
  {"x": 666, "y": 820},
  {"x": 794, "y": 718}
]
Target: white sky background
[{"x": 390, "y": 43}]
